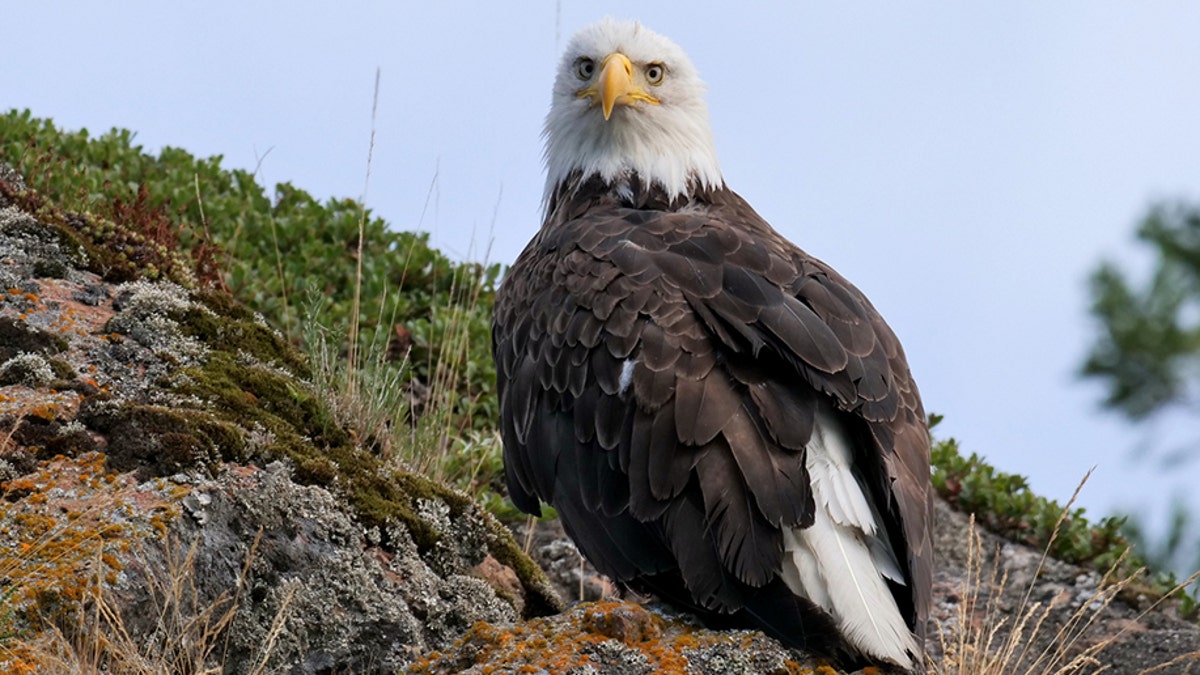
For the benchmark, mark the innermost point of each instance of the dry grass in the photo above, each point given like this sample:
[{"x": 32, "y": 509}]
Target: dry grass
[
  {"x": 356, "y": 310},
  {"x": 420, "y": 428},
  {"x": 20, "y": 571},
  {"x": 53, "y": 553},
  {"x": 7, "y": 444},
  {"x": 367, "y": 395},
  {"x": 435, "y": 436},
  {"x": 368, "y": 387},
  {"x": 986, "y": 637}
]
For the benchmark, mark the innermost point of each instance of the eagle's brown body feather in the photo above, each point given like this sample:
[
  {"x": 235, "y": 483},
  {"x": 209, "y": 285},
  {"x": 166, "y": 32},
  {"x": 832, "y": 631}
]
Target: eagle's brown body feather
[{"x": 679, "y": 477}]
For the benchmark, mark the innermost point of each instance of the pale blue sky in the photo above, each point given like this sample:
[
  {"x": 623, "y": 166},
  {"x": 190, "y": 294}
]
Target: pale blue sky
[{"x": 965, "y": 164}]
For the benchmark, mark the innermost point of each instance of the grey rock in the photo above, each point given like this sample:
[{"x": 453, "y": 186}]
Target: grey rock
[{"x": 304, "y": 579}]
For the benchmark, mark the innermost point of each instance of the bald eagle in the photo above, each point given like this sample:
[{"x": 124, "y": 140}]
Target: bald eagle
[{"x": 719, "y": 418}]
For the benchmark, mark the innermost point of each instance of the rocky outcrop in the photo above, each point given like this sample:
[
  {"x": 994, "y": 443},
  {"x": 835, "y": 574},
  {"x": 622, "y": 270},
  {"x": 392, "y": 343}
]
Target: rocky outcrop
[{"x": 171, "y": 479}]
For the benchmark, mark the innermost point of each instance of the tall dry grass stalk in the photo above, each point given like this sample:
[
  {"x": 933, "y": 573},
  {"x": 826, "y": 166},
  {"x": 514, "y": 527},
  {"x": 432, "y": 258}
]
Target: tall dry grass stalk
[
  {"x": 987, "y": 637},
  {"x": 352, "y": 357},
  {"x": 419, "y": 427}
]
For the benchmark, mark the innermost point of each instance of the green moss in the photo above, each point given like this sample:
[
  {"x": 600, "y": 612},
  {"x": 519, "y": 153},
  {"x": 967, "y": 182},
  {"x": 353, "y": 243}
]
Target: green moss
[
  {"x": 232, "y": 328},
  {"x": 506, "y": 551},
  {"x": 68, "y": 443},
  {"x": 50, "y": 269},
  {"x": 253, "y": 393},
  {"x": 229, "y": 439},
  {"x": 62, "y": 371},
  {"x": 155, "y": 440}
]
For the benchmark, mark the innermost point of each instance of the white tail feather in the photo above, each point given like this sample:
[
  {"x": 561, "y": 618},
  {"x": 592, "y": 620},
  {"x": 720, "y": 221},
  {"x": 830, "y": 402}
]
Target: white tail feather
[
  {"x": 829, "y": 464},
  {"x": 885, "y": 560},
  {"x": 841, "y": 561},
  {"x": 803, "y": 576}
]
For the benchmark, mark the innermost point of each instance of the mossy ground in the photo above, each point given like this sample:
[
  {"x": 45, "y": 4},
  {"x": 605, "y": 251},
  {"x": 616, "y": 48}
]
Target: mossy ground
[{"x": 244, "y": 389}]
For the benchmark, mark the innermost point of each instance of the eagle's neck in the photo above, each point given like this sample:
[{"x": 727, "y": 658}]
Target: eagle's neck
[
  {"x": 669, "y": 149},
  {"x": 576, "y": 194}
]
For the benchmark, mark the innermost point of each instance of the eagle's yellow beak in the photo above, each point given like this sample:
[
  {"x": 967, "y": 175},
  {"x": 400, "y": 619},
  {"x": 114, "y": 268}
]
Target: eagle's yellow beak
[
  {"x": 616, "y": 81},
  {"x": 616, "y": 85}
]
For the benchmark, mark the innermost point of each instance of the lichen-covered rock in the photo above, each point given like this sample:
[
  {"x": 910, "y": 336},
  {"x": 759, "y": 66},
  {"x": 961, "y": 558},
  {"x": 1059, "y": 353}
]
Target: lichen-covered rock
[
  {"x": 614, "y": 638},
  {"x": 218, "y": 485},
  {"x": 65, "y": 524}
]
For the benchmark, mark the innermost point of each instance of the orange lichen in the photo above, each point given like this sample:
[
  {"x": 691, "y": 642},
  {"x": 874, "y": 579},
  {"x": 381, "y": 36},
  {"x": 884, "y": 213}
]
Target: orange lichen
[
  {"x": 20, "y": 401},
  {"x": 45, "y": 411},
  {"x": 22, "y": 667},
  {"x": 581, "y": 637}
]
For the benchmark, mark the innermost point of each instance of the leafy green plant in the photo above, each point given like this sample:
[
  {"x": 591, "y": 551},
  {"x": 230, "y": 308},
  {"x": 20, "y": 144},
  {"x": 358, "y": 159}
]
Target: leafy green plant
[{"x": 1003, "y": 503}]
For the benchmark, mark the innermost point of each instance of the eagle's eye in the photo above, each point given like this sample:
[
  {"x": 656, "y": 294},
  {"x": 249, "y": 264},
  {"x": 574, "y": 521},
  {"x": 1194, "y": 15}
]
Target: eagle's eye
[
  {"x": 585, "y": 68},
  {"x": 655, "y": 73}
]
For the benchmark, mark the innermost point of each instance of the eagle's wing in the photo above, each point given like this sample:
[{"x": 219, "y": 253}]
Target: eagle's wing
[{"x": 660, "y": 376}]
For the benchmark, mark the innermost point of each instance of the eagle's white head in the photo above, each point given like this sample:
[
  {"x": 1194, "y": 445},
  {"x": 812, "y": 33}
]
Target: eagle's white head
[{"x": 628, "y": 100}]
